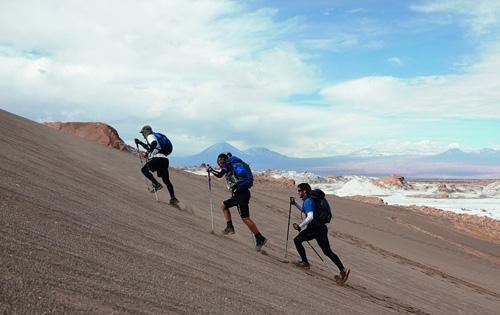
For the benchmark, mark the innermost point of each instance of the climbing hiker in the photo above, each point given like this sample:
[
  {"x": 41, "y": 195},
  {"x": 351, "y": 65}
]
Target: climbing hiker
[
  {"x": 158, "y": 147},
  {"x": 239, "y": 179},
  {"x": 312, "y": 227}
]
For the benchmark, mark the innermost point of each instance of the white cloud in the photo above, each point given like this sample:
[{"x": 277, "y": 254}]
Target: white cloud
[
  {"x": 328, "y": 11},
  {"x": 454, "y": 145},
  {"x": 209, "y": 70},
  {"x": 474, "y": 94},
  {"x": 192, "y": 67},
  {"x": 402, "y": 147},
  {"x": 333, "y": 44},
  {"x": 481, "y": 16},
  {"x": 395, "y": 61},
  {"x": 358, "y": 10}
]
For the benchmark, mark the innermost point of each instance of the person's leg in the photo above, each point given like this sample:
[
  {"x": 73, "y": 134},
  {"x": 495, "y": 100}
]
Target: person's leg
[
  {"x": 298, "y": 240},
  {"x": 146, "y": 171},
  {"x": 163, "y": 173},
  {"x": 324, "y": 244},
  {"x": 251, "y": 225},
  {"x": 226, "y": 204},
  {"x": 243, "y": 199},
  {"x": 225, "y": 210}
]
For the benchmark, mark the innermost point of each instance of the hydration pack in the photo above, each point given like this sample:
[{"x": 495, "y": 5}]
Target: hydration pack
[
  {"x": 323, "y": 211},
  {"x": 242, "y": 172},
  {"x": 164, "y": 142}
]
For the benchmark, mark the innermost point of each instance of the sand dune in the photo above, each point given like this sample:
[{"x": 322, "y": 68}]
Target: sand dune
[{"x": 80, "y": 234}]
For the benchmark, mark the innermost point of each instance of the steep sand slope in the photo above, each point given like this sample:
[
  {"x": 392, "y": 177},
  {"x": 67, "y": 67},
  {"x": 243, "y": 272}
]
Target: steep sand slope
[{"x": 79, "y": 234}]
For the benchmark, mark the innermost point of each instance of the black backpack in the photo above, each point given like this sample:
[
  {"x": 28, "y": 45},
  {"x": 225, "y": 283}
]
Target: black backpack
[{"x": 323, "y": 211}]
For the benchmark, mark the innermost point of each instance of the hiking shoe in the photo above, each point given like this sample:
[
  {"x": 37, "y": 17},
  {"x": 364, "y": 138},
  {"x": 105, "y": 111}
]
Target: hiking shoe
[
  {"x": 344, "y": 274},
  {"x": 259, "y": 243},
  {"x": 302, "y": 264},
  {"x": 173, "y": 201},
  {"x": 228, "y": 230},
  {"x": 156, "y": 187}
]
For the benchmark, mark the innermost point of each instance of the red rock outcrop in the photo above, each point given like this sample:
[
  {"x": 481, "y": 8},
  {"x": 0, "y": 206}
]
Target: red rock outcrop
[
  {"x": 393, "y": 180},
  {"x": 93, "y": 131}
]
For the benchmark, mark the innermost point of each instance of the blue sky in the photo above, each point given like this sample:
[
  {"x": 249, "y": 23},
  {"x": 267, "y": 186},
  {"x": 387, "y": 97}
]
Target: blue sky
[{"x": 305, "y": 78}]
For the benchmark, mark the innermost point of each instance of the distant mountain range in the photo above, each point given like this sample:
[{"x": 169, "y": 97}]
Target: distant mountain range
[{"x": 449, "y": 164}]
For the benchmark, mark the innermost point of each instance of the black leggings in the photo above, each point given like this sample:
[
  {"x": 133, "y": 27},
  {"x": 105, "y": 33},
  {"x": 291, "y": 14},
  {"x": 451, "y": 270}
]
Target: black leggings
[
  {"x": 159, "y": 165},
  {"x": 320, "y": 233}
]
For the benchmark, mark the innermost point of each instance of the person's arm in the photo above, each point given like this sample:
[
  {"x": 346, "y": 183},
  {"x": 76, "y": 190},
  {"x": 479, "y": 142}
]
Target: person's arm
[
  {"x": 144, "y": 145},
  {"x": 308, "y": 208},
  {"x": 154, "y": 147},
  {"x": 292, "y": 202},
  {"x": 307, "y": 220},
  {"x": 217, "y": 174}
]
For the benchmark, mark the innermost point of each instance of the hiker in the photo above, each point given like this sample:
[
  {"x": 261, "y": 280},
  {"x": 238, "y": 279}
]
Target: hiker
[
  {"x": 310, "y": 229},
  {"x": 158, "y": 147},
  {"x": 239, "y": 179}
]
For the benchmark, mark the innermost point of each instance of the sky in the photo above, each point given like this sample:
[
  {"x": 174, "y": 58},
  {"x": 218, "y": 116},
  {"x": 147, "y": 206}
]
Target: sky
[{"x": 304, "y": 78}]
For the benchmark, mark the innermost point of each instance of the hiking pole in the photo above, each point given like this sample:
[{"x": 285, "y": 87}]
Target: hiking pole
[
  {"x": 211, "y": 202},
  {"x": 142, "y": 165},
  {"x": 288, "y": 228},
  {"x": 315, "y": 251}
]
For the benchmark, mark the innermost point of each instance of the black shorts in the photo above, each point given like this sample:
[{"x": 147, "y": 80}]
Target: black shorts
[
  {"x": 159, "y": 165},
  {"x": 241, "y": 198}
]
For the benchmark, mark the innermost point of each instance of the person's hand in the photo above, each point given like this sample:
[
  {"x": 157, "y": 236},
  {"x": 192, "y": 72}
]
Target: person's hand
[
  {"x": 144, "y": 154},
  {"x": 292, "y": 200},
  {"x": 209, "y": 169},
  {"x": 234, "y": 188},
  {"x": 137, "y": 141},
  {"x": 297, "y": 227}
]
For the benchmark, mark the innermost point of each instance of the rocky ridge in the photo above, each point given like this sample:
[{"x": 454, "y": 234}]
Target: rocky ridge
[{"x": 94, "y": 131}]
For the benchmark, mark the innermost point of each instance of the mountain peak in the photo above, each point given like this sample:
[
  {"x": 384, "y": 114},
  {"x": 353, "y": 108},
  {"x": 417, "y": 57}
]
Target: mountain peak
[
  {"x": 221, "y": 147},
  {"x": 263, "y": 152},
  {"x": 453, "y": 151}
]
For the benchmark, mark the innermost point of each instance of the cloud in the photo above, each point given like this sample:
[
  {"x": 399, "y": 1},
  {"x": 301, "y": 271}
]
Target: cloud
[
  {"x": 332, "y": 44},
  {"x": 211, "y": 70},
  {"x": 404, "y": 147},
  {"x": 328, "y": 11},
  {"x": 358, "y": 10},
  {"x": 480, "y": 16},
  {"x": 474, "y": 94},
  {"x": 192, "y": 67},
  {"x": 395, "y": 61}
]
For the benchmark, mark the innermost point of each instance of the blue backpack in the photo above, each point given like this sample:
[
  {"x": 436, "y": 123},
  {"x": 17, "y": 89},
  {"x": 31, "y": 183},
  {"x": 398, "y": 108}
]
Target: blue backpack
[
  {"x": 242, "y": 172},
  {"x": 165, "y": 144}
]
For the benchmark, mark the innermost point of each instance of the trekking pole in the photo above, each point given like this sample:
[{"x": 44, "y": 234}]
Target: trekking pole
[
  {"x": 315, "y": 251},
  {"x": 142, "y": 165},
  {"x": 211, "y": 202},
  {"x": 288, "y": 228}
]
